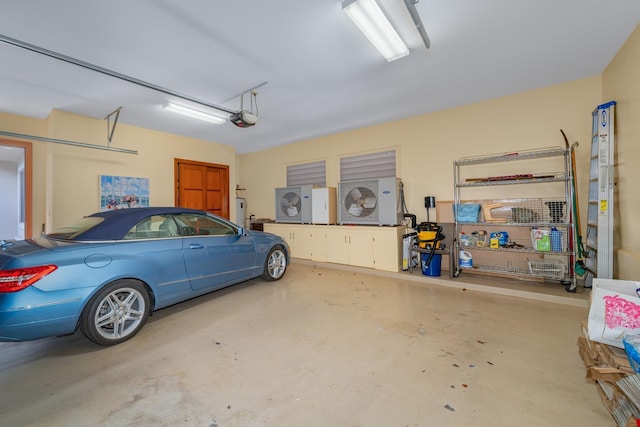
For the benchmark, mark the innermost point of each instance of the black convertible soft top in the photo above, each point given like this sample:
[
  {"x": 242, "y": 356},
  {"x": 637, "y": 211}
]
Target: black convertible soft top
[{"x": 118, "y": 222}]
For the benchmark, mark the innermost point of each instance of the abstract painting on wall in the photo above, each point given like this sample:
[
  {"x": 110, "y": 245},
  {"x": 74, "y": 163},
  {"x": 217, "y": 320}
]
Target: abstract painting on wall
[{"x": 123, "y": 192}]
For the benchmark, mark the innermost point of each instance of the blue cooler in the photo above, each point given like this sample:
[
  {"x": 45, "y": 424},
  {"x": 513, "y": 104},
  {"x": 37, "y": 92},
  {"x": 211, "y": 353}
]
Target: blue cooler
[{"x": 433, "y": 269}]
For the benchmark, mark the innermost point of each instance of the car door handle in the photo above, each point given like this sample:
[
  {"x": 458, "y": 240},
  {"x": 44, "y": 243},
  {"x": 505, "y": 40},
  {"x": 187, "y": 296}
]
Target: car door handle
[{"x": 196, "y": 246}]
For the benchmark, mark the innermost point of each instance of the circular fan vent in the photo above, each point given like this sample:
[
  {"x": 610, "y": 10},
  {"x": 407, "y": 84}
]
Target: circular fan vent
[
  {"x": 290, "y": 204},
  {"x": 360, "y": 202}
]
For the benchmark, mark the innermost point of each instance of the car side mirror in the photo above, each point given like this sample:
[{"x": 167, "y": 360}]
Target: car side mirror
[{"x": 241, "y": 231}]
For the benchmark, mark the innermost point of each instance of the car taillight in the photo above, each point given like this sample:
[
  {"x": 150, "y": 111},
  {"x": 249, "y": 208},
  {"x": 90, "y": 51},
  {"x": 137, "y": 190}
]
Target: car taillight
[{"x": 20, "y": 278}]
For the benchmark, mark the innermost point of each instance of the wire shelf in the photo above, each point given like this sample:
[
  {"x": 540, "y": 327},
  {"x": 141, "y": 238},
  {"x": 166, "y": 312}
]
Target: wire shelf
[
  {"x": 509, "y": 157},
  {"x": 542, "y": 211},
  {"x": 510, "y": 270},
  {"x": 551, "y": 177},
  {"x": 548, "y": 270},
  {"x": 516, "y": 231},
  {"x": 552, "y": 271}
]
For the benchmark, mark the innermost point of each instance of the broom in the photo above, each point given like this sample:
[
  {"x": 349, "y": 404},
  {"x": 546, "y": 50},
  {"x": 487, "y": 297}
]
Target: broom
[{"x": 580, "y": 268}]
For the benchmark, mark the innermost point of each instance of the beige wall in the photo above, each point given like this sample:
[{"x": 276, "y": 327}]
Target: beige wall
[
  {"x": 428, "y": 144},
  {"x": 66, "y": 178},
  {"x": 620, "y": 83}
]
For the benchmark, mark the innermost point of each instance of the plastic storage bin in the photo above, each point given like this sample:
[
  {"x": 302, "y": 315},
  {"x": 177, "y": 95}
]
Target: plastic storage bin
[{"x": 466, "y": 212}]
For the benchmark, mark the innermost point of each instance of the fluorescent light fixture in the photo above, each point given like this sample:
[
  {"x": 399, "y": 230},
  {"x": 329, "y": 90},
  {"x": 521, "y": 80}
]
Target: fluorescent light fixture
[
  {"x": 411, "y": 7},
  {"x": 196, "y": 114},
  {"x": 368, "y": 16}
]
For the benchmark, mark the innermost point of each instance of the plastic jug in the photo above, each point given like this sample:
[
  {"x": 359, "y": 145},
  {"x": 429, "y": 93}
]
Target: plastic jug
[
  {"x": 466, "y": 259},
  {"x": 556, "y": 240}
]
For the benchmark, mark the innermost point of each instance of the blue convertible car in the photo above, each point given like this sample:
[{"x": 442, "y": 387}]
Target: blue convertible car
[{"x": 106, "y": 273}]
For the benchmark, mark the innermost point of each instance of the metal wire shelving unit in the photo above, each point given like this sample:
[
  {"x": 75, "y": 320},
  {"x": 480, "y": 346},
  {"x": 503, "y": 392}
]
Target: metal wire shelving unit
[{"x": 522, "y": 215}]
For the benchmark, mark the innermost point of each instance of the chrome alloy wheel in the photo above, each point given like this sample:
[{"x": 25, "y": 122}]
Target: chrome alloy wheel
[
  {"x": 120, "y": 313},
  {"x": 276, "y": 264}
]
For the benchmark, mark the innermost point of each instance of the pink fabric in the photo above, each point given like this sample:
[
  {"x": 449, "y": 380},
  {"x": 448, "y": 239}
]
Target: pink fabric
[{"x": 620, "y": 312}]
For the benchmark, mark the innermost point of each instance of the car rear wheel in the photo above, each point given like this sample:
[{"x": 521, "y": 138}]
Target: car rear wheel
[
  {"x": 276, "y": 264},
  {"x": 116, "y": 313}
]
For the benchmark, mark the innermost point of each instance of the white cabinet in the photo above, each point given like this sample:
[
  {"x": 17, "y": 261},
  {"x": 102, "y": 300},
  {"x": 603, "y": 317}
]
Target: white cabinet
[
  {"x": 350, "y": 245},
  {"x": 361, "y": 246},
  {"x": 373, "y": 247},
  {"x": 323, "y": 205},
  {"x": 299, "y": 237},
  {"x": 387, "y": 248},
  {"x": 318, "y": 245}
]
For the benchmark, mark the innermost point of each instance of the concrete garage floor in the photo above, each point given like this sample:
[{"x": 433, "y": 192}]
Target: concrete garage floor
[{"x": 321, "y": 347}]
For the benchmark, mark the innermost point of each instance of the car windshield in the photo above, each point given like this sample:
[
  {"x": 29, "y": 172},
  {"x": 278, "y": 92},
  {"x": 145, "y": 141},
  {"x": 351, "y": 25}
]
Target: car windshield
[{"x": 71, "y": 231}]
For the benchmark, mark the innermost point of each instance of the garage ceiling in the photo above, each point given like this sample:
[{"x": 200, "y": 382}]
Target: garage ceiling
[{"x": 322, "y": 75}]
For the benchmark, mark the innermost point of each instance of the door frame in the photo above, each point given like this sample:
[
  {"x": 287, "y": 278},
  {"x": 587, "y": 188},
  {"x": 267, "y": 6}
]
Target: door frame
[{"x": 28, "y": 179}]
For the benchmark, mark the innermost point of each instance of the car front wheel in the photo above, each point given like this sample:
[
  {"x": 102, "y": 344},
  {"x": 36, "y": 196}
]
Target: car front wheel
[
  {"x": 275, "y": 265},
  {"x": 116, "y": 313}
]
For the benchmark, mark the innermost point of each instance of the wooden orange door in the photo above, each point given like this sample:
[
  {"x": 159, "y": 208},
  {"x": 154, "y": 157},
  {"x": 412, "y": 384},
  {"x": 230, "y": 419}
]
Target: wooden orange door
[{"x": 203, "y": 186}]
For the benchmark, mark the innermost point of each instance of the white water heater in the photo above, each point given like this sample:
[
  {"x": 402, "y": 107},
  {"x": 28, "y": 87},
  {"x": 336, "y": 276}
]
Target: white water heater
[{"x": 241, "y": 211}]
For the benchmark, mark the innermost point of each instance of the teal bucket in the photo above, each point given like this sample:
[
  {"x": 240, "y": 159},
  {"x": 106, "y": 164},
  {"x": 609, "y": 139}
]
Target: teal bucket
[{"x": 433, "y": 269}]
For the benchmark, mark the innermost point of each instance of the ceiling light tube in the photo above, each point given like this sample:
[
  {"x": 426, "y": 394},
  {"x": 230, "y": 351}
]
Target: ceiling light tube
[
  {"x": 196, "y": 114},
  {"x": 368, "y": 16}
]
